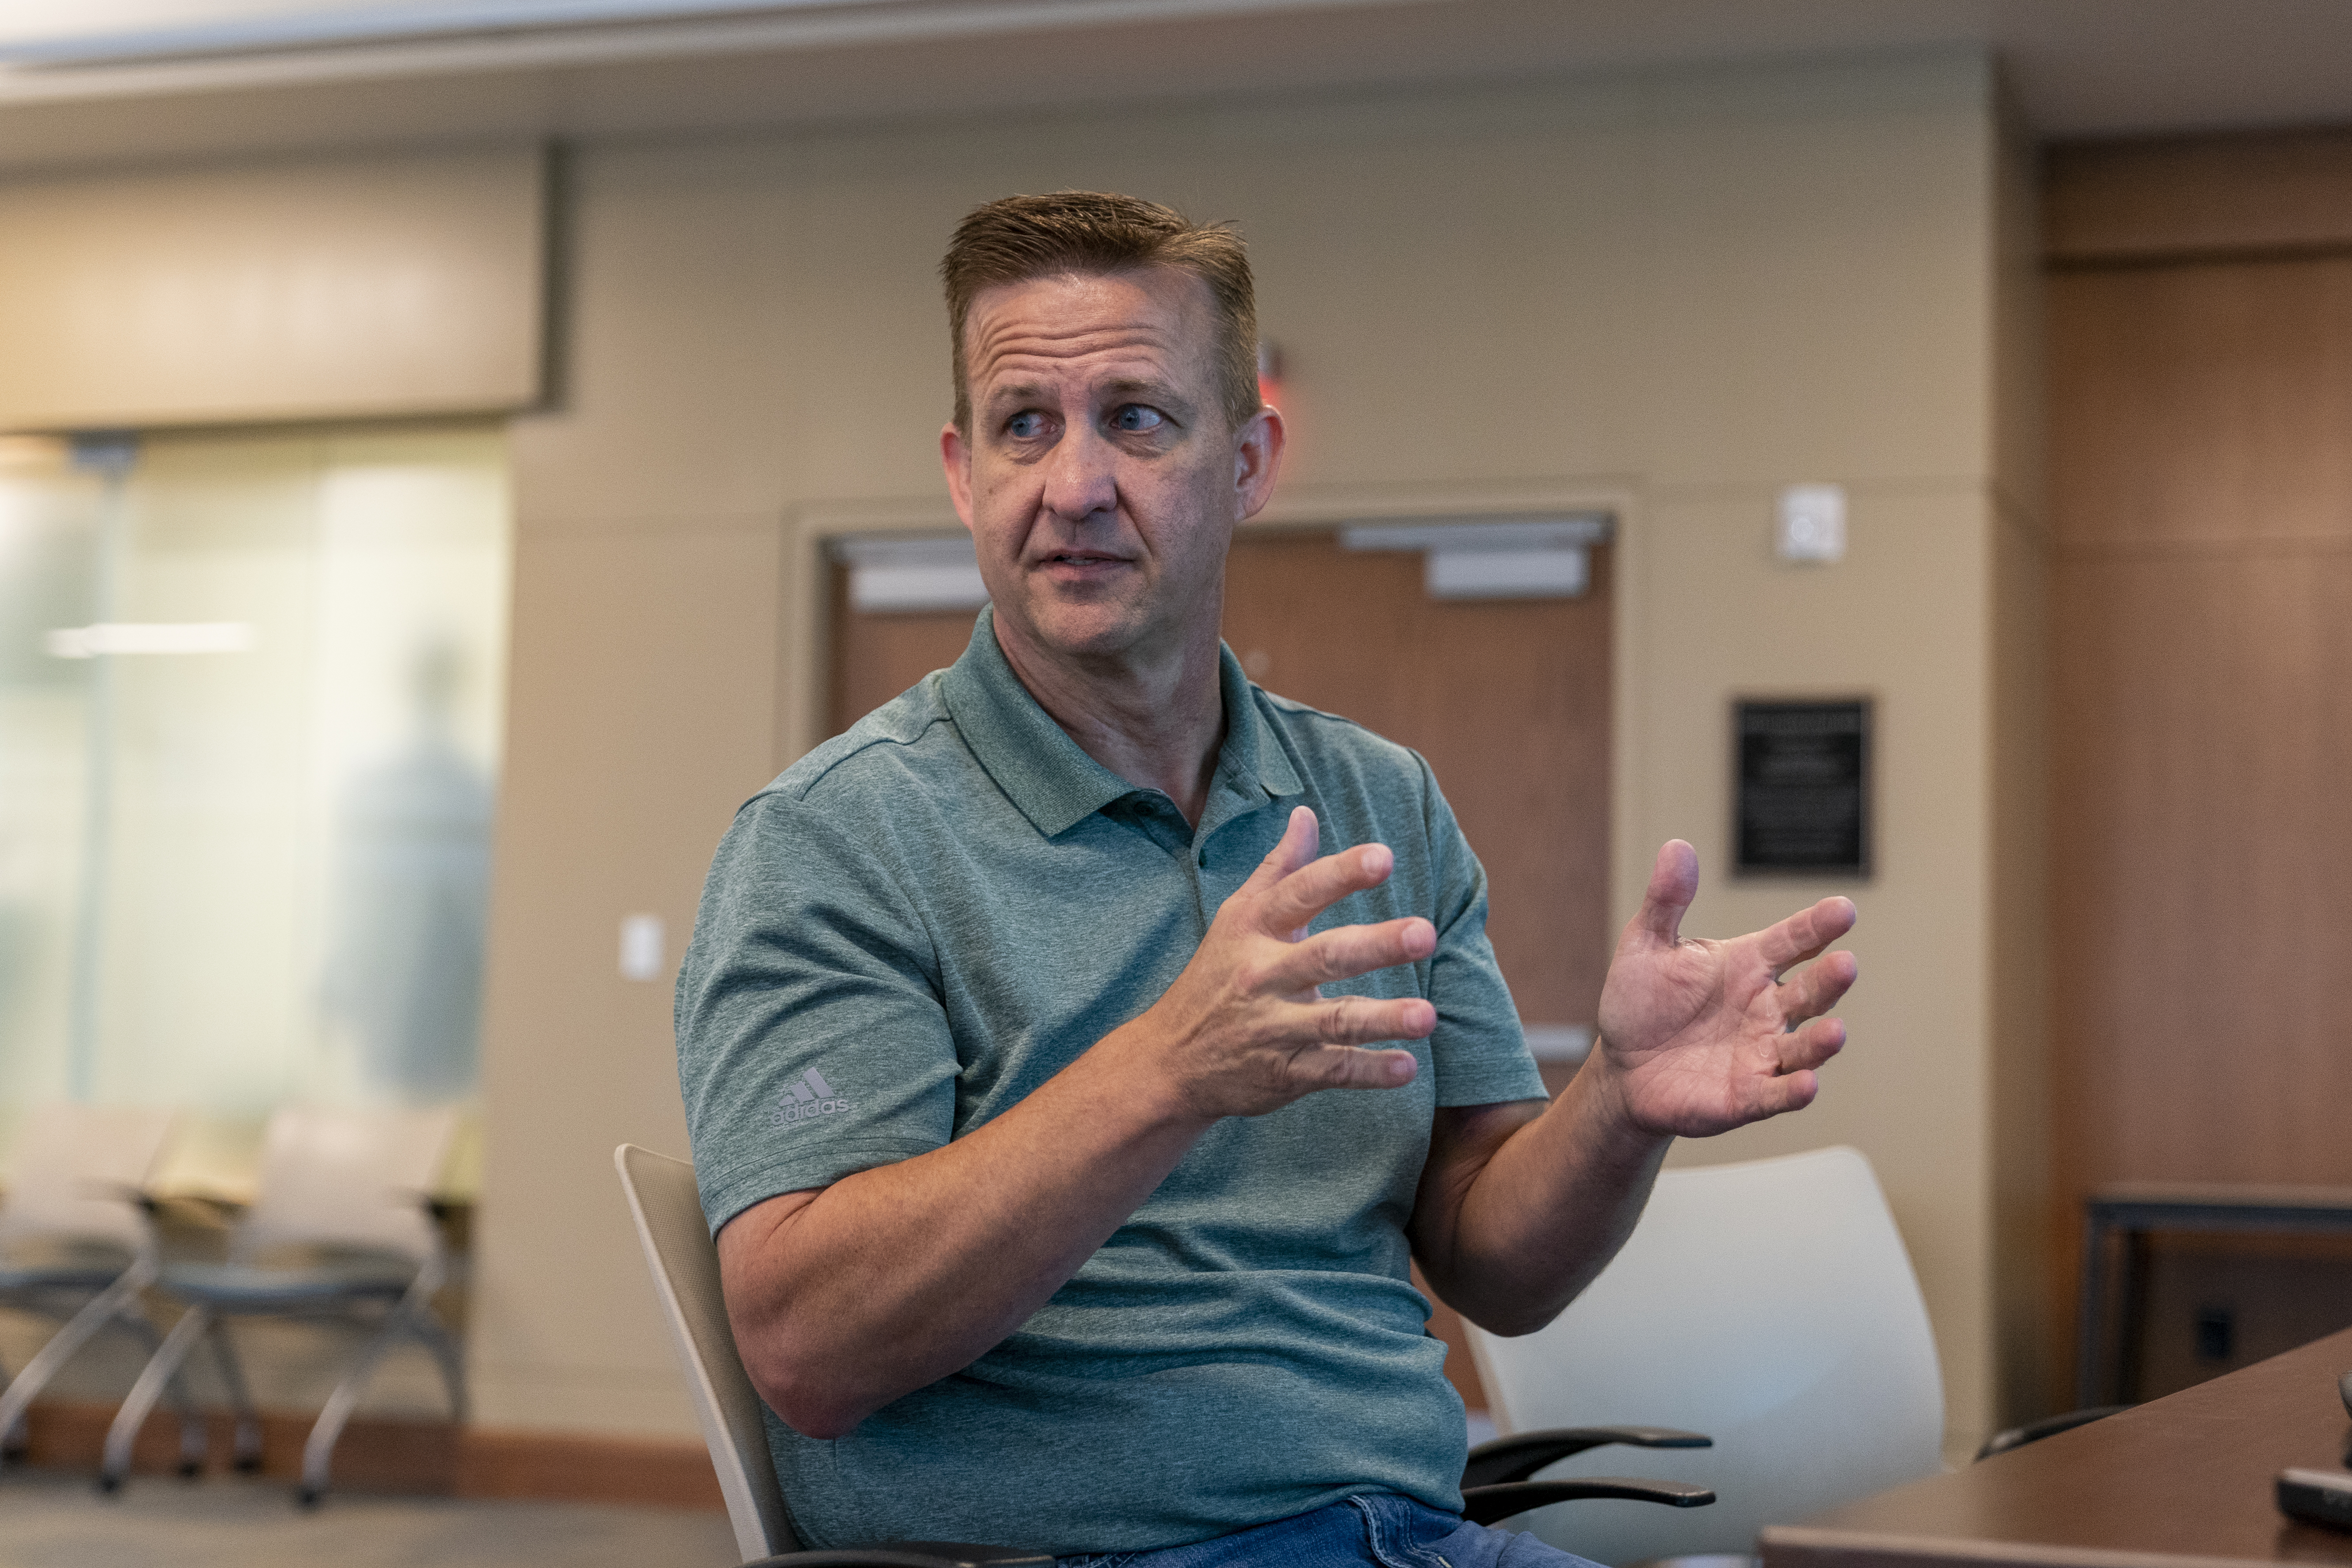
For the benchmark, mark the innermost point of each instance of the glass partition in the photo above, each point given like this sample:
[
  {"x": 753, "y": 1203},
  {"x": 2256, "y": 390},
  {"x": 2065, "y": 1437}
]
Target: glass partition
[{"x": 251, "y": 705}]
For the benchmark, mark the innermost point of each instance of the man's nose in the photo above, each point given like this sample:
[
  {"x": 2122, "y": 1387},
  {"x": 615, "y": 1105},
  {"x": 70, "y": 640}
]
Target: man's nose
[{"x": 1080, "y": 478}]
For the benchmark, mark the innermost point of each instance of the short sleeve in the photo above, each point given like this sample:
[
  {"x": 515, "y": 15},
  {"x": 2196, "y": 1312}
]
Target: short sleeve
[
  {"x": 810, "y": 1041},
  {"x": 1478, "y": 1048}
]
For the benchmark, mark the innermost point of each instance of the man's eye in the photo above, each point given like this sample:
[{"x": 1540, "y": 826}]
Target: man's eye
[
  {"x": 1022, "y": 426},
  {"x": 1136, "y": 416}
]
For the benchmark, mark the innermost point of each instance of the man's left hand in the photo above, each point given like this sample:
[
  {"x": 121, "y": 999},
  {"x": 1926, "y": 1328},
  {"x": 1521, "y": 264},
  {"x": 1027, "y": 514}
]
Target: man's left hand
[{"x": 1702, "y": 1037}]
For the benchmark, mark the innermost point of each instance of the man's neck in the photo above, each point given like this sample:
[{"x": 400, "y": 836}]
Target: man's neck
[{"x": 1155, "y": 722}]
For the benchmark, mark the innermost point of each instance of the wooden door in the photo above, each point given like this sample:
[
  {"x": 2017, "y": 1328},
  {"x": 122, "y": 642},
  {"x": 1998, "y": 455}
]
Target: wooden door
[{"x": 1507, "y": 698}]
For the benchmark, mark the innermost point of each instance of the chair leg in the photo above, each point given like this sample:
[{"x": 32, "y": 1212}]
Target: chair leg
[
  {"x": 15, "y": 1437},
  {"x": 247, "y": 1450},
  {"x": 453, "y": 1362},
  {"x": 27, "y": 1386},
  {"x": 319, "y": 1449},
  {"x": 161, "y": 1369},
  {"x": 135, "y": 1321}
]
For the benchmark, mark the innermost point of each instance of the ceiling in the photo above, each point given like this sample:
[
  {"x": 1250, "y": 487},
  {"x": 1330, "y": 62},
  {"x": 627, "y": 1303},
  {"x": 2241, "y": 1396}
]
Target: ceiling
[{"x": 106, "y": 80}]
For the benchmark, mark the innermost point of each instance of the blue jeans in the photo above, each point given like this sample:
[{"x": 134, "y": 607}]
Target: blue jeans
[{"x": 1382, "y": 1530}]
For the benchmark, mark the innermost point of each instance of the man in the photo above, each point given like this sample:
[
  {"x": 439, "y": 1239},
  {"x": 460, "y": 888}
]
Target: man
[{"x": 1066, "y": 1118}]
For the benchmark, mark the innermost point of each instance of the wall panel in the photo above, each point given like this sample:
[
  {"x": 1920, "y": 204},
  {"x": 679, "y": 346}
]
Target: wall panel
[
  {"x": 329, "y": 289},
  {"x": 2201, "y": 814}
]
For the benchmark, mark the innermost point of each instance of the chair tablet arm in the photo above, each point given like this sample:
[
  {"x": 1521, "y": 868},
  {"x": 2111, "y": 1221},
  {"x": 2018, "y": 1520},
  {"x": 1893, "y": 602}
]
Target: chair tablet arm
[
  {"x": 908, "y": 1554},
  {"x": 1516, "y": 1458},
  {"x": 140, "y": 1198},
  {"x": 1485, "y": 1505}
]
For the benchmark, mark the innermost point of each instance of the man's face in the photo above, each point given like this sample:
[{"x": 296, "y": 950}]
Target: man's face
[{"x": 1100, "y": 481}]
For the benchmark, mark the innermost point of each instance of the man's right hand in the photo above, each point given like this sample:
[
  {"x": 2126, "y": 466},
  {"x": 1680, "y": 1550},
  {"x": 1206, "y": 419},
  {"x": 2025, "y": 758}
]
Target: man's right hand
[{"x": 1245, "y": 1028}]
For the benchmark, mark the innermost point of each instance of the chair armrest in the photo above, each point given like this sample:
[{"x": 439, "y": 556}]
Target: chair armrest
[
  {"x": 1485, "y": 1505},
  {"x": 909, "y": 1555},
  {"x": 2048, "y": 1426},
  {"x": 1516, "y": 1458}
]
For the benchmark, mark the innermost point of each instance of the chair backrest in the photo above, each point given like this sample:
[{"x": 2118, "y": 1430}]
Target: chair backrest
[
  {"x": 685, "y": 1267},
  {"x": 74, "y": 1169},
  {"x": 1770, "y": 1304},
  {"x": 348, "y": 1178}
]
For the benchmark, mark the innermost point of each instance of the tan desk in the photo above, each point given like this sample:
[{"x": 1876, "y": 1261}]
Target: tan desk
[{"x": 2180, "y": 1481}]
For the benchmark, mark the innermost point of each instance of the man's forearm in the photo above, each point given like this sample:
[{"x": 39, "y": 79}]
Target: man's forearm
[
  {"x": 845, "y": 1299},
  {"x": 1522, "y": 1219}
]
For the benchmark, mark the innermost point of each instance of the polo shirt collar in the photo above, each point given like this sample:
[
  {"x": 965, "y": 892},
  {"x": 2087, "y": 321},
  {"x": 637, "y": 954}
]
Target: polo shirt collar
[{"x": 1050, "y": 777}]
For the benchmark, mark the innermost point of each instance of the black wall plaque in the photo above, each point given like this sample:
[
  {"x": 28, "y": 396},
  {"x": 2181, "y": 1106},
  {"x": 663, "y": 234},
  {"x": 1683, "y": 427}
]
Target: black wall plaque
[{"x": 1801, "y": 787}]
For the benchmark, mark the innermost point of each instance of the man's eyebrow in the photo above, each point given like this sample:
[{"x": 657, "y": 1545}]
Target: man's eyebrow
[
  {"x": 1157, "y": 391},
  {"x": 1014, "y": 392},
  {"x": 1011, "y": 394}
]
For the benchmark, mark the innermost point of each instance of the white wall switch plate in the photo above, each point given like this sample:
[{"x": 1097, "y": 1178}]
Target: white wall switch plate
[{"x": 641, "y": 947}]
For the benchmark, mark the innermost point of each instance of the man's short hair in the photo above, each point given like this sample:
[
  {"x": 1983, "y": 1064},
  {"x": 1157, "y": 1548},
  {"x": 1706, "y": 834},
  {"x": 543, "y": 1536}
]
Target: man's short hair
[{"x": 1093, "y": 232}]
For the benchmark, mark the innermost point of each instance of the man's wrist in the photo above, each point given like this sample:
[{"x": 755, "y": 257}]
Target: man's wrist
[
  {"x": 1612, "y": 1132},
  {"x": 1136, "y": 1055}
]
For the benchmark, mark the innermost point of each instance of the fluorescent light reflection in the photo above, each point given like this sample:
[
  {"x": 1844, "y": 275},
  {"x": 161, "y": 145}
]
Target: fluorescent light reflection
[{"x": 151, "y": 637}]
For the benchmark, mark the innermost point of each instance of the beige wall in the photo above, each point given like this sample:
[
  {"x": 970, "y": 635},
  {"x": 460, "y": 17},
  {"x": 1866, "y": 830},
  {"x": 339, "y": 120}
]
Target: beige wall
[{"x": 1673, "y": 292}]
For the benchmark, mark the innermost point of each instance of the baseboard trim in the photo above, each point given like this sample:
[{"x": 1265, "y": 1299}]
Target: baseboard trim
[
  {"x": 520, "y": 1463},
  {"x": 417, "y": 1459}
]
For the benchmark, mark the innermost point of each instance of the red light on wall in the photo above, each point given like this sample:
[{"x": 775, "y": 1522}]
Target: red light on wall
[{"x": 1269, "y": 373}]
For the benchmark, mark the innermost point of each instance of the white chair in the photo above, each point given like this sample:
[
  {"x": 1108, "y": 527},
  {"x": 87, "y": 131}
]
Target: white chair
[
  {"x": 668, "y": 1208},
  {"x": 1770, "y": 1304},
  {"x": 76, "y": 1243},
  {"x": 341, "y": 1226}
]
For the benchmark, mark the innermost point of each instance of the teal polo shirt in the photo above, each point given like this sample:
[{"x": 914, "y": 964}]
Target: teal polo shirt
[{"x": 927, "y": 917}]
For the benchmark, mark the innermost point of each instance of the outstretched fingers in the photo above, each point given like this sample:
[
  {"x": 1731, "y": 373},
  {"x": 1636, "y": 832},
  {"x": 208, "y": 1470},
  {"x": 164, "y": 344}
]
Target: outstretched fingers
[
  {"x": 1360, "y": 1020},
  {"x": 1293, "y": 900},
  {"x": 1818, "y": 987},
  {"x": 1804, "y": 1050},
  {"x": 1806, "y": 933},
  {"x": 1348, "y": 1066},
  {"x": 1778, "y": 1095},
  {"x": 1301, "y": 836},
  {"x": 1345, "y": 952}
]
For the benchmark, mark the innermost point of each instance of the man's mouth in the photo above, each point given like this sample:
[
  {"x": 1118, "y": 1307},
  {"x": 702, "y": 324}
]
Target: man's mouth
[{"x": 1082, "y": 558}]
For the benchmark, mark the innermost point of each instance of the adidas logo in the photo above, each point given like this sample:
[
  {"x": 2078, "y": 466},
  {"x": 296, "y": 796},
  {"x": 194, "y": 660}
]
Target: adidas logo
[{"x": 805, "y": 1099}]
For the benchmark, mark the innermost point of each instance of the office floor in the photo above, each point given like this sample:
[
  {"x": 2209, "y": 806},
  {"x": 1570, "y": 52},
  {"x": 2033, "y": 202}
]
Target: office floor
[{"x": 51, "y": 1518}]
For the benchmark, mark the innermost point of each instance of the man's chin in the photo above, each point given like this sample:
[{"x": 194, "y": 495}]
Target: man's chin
[{"x": 1079, "y": 633}]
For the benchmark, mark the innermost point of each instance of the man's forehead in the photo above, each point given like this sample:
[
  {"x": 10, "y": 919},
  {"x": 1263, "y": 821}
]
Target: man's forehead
[{"x": 1066, "y": 315}]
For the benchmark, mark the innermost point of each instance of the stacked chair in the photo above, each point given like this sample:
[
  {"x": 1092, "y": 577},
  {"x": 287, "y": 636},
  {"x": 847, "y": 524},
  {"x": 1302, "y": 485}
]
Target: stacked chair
[
  {"x": 668, "y": 1210},
  {"x": 77, "y": 1244},
  {"x": 342, "y": 1227}
]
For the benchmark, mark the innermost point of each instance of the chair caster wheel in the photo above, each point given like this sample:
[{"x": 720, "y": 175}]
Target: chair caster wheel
[
  {"x": 248, "y": 1464},
  {"x": 191, "y": 1469},
  {"x": 109, "y": 1485},
  {"x": 308, "y": 1497}
]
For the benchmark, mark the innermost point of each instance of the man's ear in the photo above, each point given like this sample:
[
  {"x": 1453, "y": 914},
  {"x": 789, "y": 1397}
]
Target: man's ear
[
  {"x": 1257, "y": 461},
  {"x": 955, "y": 456}
]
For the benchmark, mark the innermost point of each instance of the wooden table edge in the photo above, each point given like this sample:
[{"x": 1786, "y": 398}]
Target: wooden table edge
[{"x": 1803, "y": 1546}]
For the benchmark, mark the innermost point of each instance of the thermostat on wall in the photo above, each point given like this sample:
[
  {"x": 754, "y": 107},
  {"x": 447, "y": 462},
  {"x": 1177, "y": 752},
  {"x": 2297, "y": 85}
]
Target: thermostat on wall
[{"x": 1811, "y": 523}]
